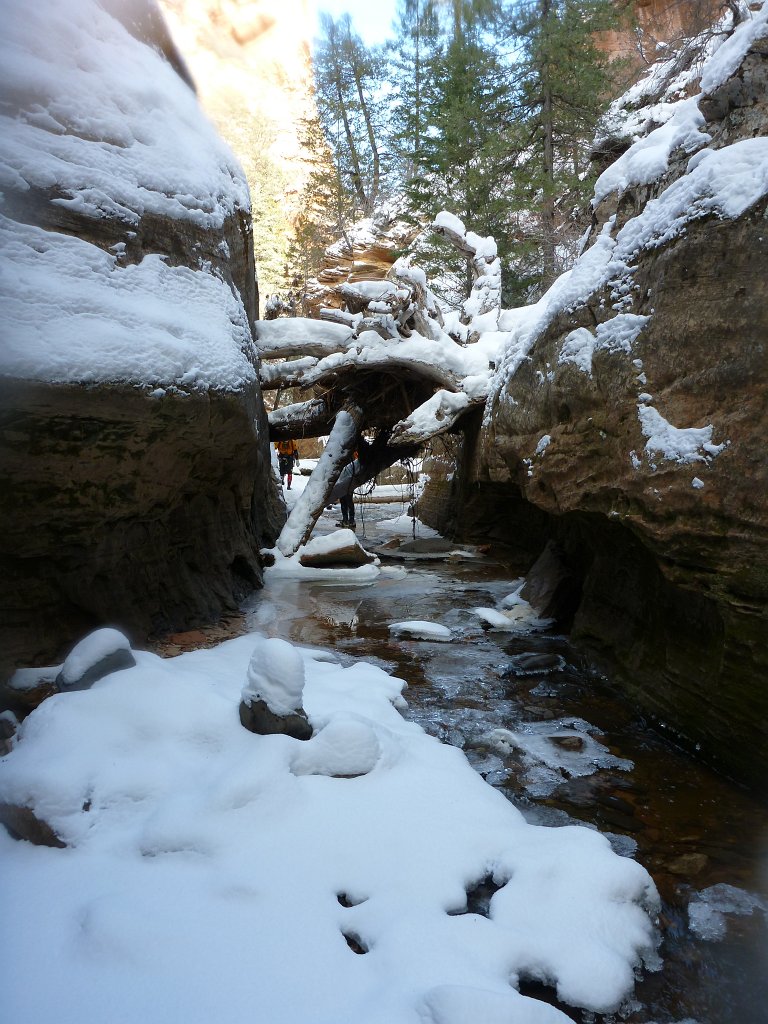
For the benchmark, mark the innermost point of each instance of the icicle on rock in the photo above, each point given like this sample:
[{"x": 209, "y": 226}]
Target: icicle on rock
[{"x": 272, "y": 696}]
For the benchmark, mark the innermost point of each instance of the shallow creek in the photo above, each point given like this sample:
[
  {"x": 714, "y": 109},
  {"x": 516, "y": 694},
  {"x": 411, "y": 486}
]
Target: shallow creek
[{"x": 564, "y": 746}]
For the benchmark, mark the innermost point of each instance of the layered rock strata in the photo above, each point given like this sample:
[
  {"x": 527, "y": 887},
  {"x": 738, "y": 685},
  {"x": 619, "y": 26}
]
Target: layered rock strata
[
  {"x": 135, "y": 481},
  {"x": 633, "y": 419}
]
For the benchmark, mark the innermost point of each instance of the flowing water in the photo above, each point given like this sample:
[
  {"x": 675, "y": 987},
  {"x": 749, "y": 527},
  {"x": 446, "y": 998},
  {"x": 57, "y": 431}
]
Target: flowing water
[{"x": 565, "y": 747}]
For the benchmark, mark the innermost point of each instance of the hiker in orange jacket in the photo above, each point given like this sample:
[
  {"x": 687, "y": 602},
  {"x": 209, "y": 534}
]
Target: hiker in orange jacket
[{"x": 287, "y": 456}]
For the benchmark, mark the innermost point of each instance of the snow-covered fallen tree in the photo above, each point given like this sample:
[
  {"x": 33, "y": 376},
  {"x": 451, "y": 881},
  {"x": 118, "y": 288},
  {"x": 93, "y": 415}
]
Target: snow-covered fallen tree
[{"x": 388, "y": 354}]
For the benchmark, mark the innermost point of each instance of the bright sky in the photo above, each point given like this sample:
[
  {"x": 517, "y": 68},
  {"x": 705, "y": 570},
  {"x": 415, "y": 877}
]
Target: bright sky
[{"x": 372, "y": 19}]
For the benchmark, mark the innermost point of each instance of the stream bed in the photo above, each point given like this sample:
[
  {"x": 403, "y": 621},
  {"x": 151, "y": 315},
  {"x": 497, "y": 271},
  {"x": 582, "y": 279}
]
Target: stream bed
[{"x": 564, "y": 746}]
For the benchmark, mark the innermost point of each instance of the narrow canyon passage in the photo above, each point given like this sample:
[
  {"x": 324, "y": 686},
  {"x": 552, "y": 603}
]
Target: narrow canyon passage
[{"x": 565, "y": 747}]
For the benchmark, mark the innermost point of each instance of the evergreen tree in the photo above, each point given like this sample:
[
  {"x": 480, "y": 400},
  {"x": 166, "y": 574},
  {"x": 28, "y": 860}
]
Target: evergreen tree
[
  {"x": 462, "y": 156},
  {"x": 349, "y": 79},
  {"x": 320, "y": 220},
  {"x": 563, "y": 83}
]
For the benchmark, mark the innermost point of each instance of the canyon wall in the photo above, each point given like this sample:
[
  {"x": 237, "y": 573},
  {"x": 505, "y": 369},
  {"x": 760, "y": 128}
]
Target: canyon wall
[
  {"x": 135, "y": 480},
  {"x": 632, "y": 416}
]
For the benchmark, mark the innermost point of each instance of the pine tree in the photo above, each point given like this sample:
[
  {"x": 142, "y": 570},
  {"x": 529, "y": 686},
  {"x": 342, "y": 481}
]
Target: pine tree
[
  {"x": 349, "y": 79},
  {"x": 462, "y": 159},
  {"x": 563, "y": 83}
]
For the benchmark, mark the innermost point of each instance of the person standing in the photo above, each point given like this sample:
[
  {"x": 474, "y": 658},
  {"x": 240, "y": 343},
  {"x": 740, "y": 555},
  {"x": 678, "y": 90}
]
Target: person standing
[{"x": 287, "y": 457}]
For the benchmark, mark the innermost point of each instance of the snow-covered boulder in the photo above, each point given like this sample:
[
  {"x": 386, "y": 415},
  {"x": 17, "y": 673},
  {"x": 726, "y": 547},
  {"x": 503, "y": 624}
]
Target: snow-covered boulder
[
  {"x": 339, "y": 548},
  {"x": 420, "y": 629},
  {"x": 131, "y": 421},
  {"x": 271, "y": 700},
  {"x": 95, "y": 656}
]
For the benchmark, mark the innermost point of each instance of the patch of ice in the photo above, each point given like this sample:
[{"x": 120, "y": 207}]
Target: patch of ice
[{"x": 707, "y": 909}]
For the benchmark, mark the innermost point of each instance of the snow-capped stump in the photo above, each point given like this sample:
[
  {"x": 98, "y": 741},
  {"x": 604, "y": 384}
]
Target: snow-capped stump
[
  {"x": 339, "y": 548},
  {"x": 97, "y": 655},
  {"x": 345, "y": 748},
  {"x": 416, "y": 629},
  {"x": 272, "y": 696}
]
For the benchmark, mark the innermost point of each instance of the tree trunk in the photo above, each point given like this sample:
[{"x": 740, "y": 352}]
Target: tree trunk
[
  {"x": 548, "y": 156},
  {"x": 313, "y": 499}
]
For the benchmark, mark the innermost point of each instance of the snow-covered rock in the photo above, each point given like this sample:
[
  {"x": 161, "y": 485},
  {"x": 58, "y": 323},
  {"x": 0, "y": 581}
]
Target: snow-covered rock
[
  {"x": 95, "y": 656},
  {"x": 131, "y": 417},
  {"x": 644, "y": 362},
  {"x": 420, "y": 629}
]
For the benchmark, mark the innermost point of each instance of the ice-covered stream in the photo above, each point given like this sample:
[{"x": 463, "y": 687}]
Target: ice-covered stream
[{"x": 564, "y": 746}]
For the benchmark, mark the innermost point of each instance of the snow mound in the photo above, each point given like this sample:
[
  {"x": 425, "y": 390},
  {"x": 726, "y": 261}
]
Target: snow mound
[
  {"x": 454, "y": 1004},
  {"x": 417, "y": 629},
  {"x": 346, "y": 747},
  {"x": 201, "y": 869},
  {"x": 93, "y": 649},
  {"x": 275, "y": 675}
]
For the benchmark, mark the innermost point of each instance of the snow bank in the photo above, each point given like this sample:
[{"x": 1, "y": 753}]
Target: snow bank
[
  {"x": 100, "y": 123},
  {"x": 213, "y": 874},
  {"x": 106, "y": 121},
  {"x": 73, "y": 314}
]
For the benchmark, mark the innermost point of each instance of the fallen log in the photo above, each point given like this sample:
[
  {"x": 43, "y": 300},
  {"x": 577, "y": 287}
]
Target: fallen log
[
  {"x": 301, "y": 419},
  {"x": 315, "y": 496}
]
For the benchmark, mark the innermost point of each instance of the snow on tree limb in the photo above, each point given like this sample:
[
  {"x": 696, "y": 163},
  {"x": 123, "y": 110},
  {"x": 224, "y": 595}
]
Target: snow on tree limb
[
  {"x": 436, "y": 416},
  {"x": 287, "y": 337},
  {"x": 287, "y": 373},
  {"x": 486, "y": 266},
  {"x": 302, "y": 419},
  {"x": 439, "y": 362}
]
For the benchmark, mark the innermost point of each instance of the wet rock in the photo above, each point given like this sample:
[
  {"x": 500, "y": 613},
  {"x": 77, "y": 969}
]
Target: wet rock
[
  {"x": 258, "y": 717},
  {"x": 95, "y": 656},
  {"x": 533, "y": 663},
  {"x": 23, "y": 823},
  {"x": 575, "y": 743},
  {"x": 551, "y": 588},
  {"x": 688, "y": 864}
]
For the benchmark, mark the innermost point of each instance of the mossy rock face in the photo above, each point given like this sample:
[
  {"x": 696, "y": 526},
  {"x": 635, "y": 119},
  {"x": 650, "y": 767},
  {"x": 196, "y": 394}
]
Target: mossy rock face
[{"x": 121, "y": 508}]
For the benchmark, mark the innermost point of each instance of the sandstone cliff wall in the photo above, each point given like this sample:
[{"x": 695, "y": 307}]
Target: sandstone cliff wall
[
  {"x": 135, "y": 484},
  {"x": 634, "y": 420}
]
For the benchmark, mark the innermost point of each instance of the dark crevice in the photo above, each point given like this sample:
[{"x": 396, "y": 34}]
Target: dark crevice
[
  {"x": 479, "y": 897},
  {"x": 355, "y": 943}
]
